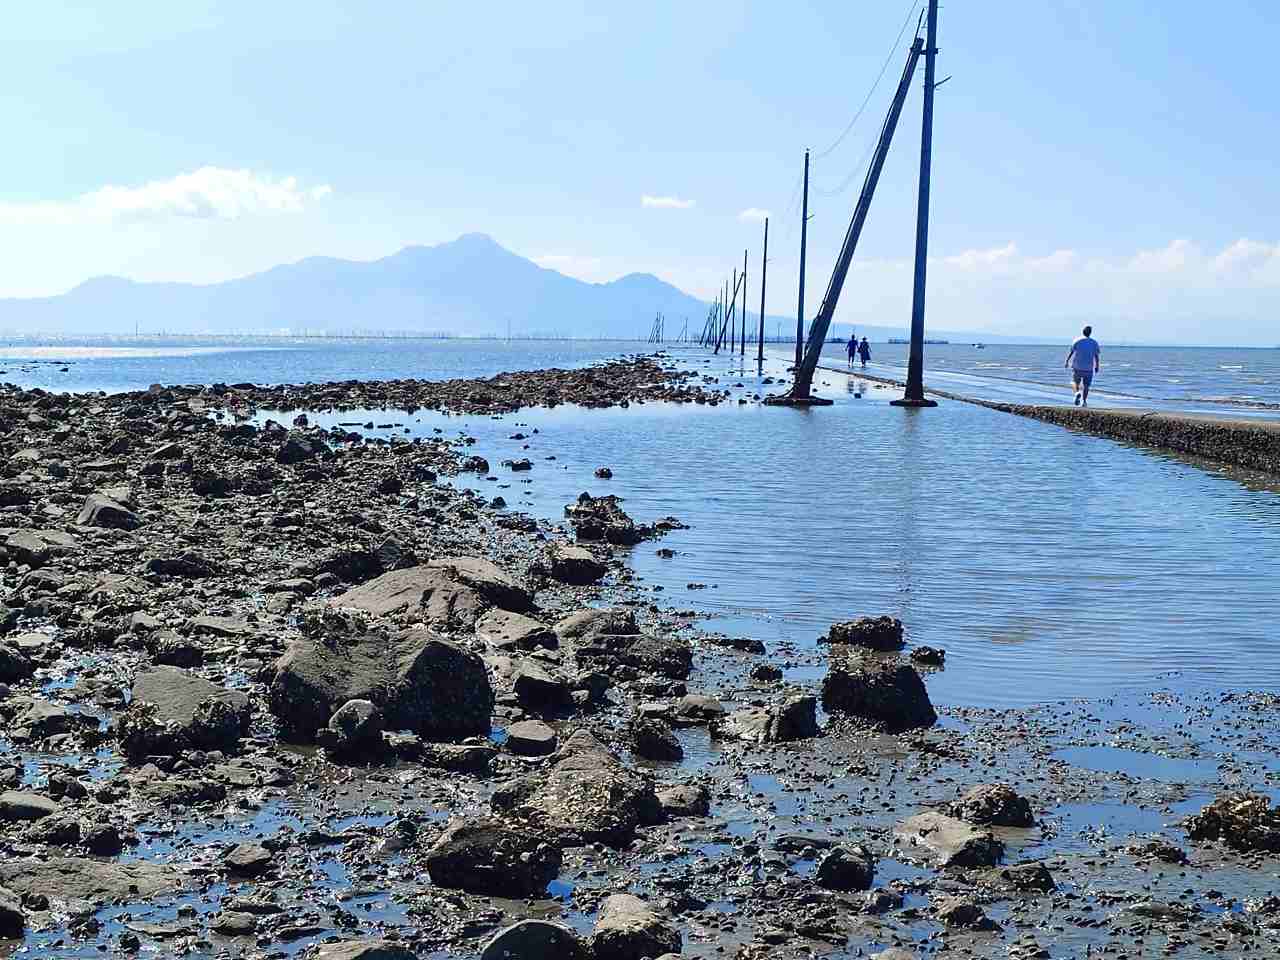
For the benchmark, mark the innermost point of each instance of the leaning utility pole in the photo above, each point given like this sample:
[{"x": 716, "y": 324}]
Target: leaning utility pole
[
  {"x": 742, "y": 345},
  {"x": 803, "y": 381},
  {"x": 804, "y": 235},
  {"x": 914, "y": 394},
  {"x": 764, "y": 272}
]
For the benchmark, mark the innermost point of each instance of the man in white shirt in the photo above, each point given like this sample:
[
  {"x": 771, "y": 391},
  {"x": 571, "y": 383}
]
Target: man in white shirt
[{"x": 1083, "y": 359}]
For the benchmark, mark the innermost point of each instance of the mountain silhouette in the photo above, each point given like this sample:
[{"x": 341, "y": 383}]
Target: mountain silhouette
[{"x": 470, "y": 286}]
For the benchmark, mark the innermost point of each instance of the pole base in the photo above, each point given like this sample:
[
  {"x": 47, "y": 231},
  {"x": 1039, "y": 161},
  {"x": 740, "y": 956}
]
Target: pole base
[
  {"x": 908, "y": 402},
  {"x": 786, "y": 400}
]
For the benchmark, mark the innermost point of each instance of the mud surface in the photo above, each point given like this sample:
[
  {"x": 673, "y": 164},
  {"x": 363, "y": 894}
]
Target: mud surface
[{"x": 247, "y": 677}]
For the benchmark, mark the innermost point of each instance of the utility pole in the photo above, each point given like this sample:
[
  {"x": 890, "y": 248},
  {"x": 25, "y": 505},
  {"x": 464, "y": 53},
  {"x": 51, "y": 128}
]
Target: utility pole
[
  {"x": 914, "y": 394},
  {"x": 804, "y": 236},
  {"x": 764, "y": 272},
  {"x": 742, "y": 325}
]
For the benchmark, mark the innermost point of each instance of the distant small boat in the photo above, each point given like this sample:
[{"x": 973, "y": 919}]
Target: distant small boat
[{"x": 980, "y": 346}]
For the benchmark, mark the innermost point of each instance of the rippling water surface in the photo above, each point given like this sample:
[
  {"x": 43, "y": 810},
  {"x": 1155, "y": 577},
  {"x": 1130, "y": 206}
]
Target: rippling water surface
[{"x": 1047, "y": 563}]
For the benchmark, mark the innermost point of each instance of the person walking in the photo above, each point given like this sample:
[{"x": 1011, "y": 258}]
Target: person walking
[
  {"x": 1084, "y": 359},
  {"x": 851, "y": 348},
  {"x": 864, "y": 351}
]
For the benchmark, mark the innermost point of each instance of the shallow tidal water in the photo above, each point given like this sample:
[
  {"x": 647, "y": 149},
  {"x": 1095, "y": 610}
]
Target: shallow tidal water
[{"x": 1048, "y": 564}]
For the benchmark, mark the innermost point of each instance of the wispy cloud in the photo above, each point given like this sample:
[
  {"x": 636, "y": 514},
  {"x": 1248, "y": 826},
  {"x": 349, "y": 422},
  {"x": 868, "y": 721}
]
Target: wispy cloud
[
  {"x": 209, "y": 193},
  {"x": 753, "y": 214},
  {"x": 665, "y": 203}
]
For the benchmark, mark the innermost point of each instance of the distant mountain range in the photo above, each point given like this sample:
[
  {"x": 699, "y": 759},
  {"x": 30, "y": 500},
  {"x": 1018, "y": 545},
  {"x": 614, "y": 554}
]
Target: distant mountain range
[{"x": 471, "y": 286}]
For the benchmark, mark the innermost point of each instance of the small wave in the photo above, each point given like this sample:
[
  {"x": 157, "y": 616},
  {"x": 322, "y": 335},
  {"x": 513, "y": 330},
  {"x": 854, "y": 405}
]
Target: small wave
[{"x": 1231, "y": 366}]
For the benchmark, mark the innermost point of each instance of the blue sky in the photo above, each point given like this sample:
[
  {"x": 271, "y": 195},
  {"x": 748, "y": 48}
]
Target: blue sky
[{"x": 1109, "y": 161}]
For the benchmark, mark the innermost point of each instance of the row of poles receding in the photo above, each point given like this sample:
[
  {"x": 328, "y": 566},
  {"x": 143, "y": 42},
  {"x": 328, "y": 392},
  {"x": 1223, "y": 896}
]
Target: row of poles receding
[{"x": 726, "y": 323}]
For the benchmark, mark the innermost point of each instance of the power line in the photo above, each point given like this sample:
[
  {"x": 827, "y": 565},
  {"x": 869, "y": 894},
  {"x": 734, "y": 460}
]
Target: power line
[{"x": 867, "y": 99}]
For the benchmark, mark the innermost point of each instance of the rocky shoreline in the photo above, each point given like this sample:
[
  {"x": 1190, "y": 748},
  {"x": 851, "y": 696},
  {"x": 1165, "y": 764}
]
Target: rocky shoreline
[{"x": 271, "y": 689}]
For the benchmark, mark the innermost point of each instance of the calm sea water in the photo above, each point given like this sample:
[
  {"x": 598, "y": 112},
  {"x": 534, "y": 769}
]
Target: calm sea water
[
  {"x": 1047, "y": 563},
  {"x": 127, "y": 364},
  {"x": 1205, "y": 375}
]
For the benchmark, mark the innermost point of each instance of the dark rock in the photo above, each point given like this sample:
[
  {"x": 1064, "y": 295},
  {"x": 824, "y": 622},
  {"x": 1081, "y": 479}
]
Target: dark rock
[
  {"x": 846, "y": 868},
  {"x": 1030, "y": 877},
  {"x": 1157, "y": 848},
  {"x": 587, "y": 796},
  {"x": 654, "y": 740},
  {"x": 189, "y": 566},
  {"x": 531, "y": 738},
  {"x": 946, "y": 842},
  {"x": 890, "y": 696},
  {"x": 600, "y": 518},
  {"x": 15, "y": 665},
  {"x": 871, "y": 633},
  {"x": 24, "y": 805},
  {"x": 793, "y": 719},
  {"x": 171, "y": 649},
  {"x": 298, "y": 449},
  {"x": 959, "y": 912},
  {"x": 13, "y": 920},
  {"x": 82, "y": 878},
  {"x": 574, "y": 564},
  {"x": 684, "y": 800},
  {"x": 36, "y": 548},
  {"x": 103, "y": 840},
  {"x": 534, "y": 940},
  {"x": 994, "y": 804},
  {"x": 505, "y": 630},
  {"x": 357, "y": 728},
  {"x": 421, "y": 683},
  {"x": 475, "y": 465},
  {"x": 365, "y": 950},
  {"x": 518, "y": 465},
  {"x": 487, "y": 856},
  {"x": 209, "y": 716},
  {"x": 696, "y": 709},
  {"x": 1243, "y": 821},
  {"x": 604, "y": 473},
  {"x": 627, "y": 928},
  {"x": 248, "y": 859},
  {"x": 100, "y": 510},
  {"x": 591, "y": 623},
  {"x": 537, "y": 689},
  {"x": 928, "y": 656},
  {"x": 766, "y": 673}
]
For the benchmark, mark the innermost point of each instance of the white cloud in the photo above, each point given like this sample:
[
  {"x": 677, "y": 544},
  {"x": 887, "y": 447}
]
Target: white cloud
[
  {"x": 210, "y": 193},
  {"x": 665, "y": 203},
  {"x": 974, "y": 259},
  {"x": 1246, "y": 254},
  {"x": 1169, "y": 259},
  {"x": 753, "y": 213}
]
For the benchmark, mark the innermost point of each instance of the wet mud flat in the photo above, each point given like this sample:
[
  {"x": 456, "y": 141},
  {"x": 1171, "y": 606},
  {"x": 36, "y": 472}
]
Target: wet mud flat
[{"x": 272, "y": 690}]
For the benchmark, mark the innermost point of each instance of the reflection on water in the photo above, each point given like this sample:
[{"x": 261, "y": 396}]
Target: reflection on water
[{"x": 1049, "y": 564}]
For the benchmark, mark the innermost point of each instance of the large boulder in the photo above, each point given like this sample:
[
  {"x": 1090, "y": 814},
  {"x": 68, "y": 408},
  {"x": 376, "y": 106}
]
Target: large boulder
[
  {"x": 450, "y": 594},
  {"x": 846, "y": 868},
  {"x": 205, "y": 714},
  {"x": 588, "y": 795},
  {"x": 100, "y": 510},
  {"x": 490, "y": 857},
  {"x": 573, "y": 564},
  {"x": 365, "y": 950},
  {"x": 993, "y": 804},
  {"x": 35, "y": 548},
  {"x": 793, "y": 719},
  {"x": 534, "y": 940},
  {"x": 1243, "y": 821},
  {"x": 592, "y": 622},
  {"x": 420, "y": 682},
  {"x": 944, "y": 841},
  {"x": 888, "y": 695},
  {"x": 627, "y": 928},
  {"x": 601, "y": 518},
  {"x": 872, "y": 633},
  {"x": 505, "y": 630}
]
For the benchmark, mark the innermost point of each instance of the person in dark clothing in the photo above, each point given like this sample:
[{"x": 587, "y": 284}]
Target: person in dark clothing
[
  {"x": 851, "y": 348},
  {"x": 864, "y": 351}
]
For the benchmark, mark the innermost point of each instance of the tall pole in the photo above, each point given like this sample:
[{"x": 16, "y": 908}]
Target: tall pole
[
  {"x": 914, "y": 395},
  {"x": 764, "y": 272},
  {"x": 742, "y": 326},
  {"x": 804, "y": 236}
]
